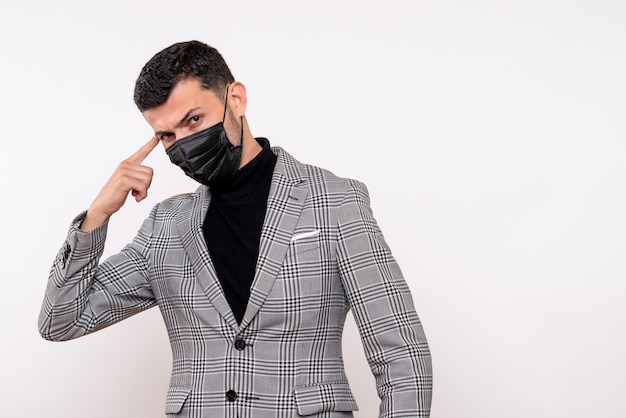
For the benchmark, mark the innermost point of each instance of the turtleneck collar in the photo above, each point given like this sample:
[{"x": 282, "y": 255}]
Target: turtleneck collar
[{"x": 251, "y": 177}]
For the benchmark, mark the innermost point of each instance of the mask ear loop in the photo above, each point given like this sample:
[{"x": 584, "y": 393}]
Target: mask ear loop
[
  {"x": 225, "y": 104},
  {"x": 240, "y": 120},
  {"x": 241, "y": 123}
]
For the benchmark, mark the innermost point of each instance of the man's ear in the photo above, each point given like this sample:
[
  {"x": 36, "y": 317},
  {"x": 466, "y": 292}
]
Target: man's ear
[{"x": 238, "y": 98}]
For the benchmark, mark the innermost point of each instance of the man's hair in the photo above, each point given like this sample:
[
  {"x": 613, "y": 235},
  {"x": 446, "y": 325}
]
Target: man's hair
[{"x": 180, "y": 61}]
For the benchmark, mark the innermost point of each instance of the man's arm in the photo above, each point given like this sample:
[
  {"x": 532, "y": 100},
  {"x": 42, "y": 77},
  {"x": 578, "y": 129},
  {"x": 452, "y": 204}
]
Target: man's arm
[
  {"x": 82, "y": 296},
  {"x": 394, "y": 341}
]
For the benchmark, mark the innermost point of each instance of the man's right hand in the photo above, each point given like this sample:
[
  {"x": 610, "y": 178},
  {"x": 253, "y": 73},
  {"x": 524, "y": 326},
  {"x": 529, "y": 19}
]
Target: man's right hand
[{"x": 130, "y": 176}]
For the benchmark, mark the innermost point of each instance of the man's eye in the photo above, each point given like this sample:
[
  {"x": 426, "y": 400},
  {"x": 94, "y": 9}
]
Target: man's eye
[
  {"x": 165, "y": 137},
  {"x": 195, "y": 119}
]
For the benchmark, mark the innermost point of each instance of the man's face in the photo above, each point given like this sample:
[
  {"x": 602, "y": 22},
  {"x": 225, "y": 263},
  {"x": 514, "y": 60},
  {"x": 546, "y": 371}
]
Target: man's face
[{"x": 189, "y": 108}]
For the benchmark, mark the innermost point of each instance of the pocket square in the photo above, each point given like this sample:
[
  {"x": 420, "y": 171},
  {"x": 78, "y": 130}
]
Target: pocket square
[{"x": 305, "y": 235}]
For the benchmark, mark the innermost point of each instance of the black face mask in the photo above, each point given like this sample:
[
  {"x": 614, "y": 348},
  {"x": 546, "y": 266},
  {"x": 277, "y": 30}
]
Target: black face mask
[{"x": 208, "y": 156}]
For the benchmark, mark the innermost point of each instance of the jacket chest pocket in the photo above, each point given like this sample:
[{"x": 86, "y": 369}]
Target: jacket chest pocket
[
  {"x": 303, "y": 242},
  {"x": 308, "y": 277}
]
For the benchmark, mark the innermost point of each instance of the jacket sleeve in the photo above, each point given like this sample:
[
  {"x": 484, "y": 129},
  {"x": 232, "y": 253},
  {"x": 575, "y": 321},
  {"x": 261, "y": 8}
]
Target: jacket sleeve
[
  {"x": 83, "y": 296},
  {"x": 394, "y": 341}
]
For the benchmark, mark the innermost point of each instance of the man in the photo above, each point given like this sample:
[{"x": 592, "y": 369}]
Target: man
[{"x": 254, "y": 273}]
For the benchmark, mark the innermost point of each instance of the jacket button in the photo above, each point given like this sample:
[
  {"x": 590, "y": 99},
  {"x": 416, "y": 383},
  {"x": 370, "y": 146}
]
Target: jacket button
[
  {"x": 231, "y": 396},
  {"x": 240, "y": 344}
]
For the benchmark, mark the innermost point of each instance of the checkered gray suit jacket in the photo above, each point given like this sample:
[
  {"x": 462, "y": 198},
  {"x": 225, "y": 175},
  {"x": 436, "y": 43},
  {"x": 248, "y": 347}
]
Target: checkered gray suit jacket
[{"x": 321, "y": 253}]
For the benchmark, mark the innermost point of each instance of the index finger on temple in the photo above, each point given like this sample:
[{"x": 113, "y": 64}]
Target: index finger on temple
[{"x": 143, "y": 152}]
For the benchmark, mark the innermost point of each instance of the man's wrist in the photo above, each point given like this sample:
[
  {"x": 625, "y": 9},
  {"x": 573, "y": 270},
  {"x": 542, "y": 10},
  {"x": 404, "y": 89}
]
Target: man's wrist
[{"x": 93, "y": 219}]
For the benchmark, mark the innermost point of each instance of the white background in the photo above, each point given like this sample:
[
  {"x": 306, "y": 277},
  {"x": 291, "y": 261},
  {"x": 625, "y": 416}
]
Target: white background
[{"x": 490, "y": 134}]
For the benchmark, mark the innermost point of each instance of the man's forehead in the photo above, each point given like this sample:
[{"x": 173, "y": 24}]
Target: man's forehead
[{"x": 187, "y": 97}]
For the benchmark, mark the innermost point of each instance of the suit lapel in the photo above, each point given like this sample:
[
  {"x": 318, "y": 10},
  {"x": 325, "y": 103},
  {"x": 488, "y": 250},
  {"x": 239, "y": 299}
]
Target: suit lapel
[
  {"x": 189, "y": 223},
  {"x": 284, "y": 205}
]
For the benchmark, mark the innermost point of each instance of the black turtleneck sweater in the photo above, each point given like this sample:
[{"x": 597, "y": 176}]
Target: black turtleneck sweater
[{"x": 232, "y": 227}]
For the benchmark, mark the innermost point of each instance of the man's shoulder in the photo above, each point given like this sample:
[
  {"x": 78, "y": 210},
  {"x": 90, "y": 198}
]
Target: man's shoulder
[
  {"x": 177, "y": 202},
  {"x": 314, "y": 175}
]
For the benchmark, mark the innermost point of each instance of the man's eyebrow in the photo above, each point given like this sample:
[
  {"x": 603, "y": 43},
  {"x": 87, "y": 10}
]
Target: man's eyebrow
[
  {"x": 184, "y": 118},
  {"x": 180, "y": 122}
]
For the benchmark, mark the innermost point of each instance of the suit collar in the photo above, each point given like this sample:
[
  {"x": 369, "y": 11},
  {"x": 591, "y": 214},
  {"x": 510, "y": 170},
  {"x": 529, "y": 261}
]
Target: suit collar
[{"x": 288, "y": 169}]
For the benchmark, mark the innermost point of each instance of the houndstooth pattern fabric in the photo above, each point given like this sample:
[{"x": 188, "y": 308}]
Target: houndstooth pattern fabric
[{"x": 321, "y": 253}]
